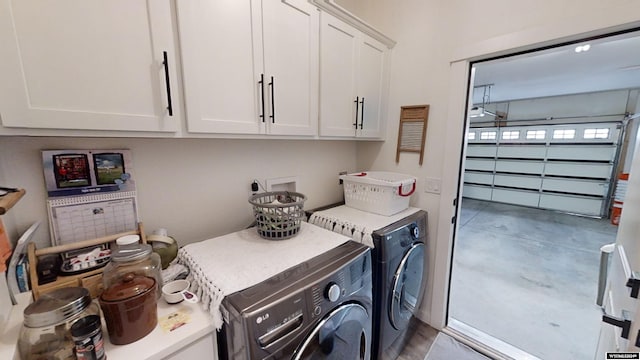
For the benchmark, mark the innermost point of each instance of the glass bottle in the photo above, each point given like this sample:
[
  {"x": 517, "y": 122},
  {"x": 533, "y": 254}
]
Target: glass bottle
[{"x": 130, "y": 256}]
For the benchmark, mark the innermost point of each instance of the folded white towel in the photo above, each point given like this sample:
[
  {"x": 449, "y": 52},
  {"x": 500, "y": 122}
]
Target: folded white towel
[
  {"x": 234, "y": 262},
  {"x": 356, "y": 224}
]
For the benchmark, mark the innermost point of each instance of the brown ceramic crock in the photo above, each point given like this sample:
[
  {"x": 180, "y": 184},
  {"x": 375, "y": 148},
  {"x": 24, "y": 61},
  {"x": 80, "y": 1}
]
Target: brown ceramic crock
[{"x": 130, "y": 308}]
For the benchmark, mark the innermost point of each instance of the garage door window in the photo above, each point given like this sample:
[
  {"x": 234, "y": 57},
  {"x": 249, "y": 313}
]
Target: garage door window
[
  {"x": 510, "y": 135},
  {"x": 601, "y": 133},
  {"x": 564, "y": 134},
  {"x": 471, "y": 136},
  {"x": 536, "y": 134},
  {"x": 488, "y": 135}
]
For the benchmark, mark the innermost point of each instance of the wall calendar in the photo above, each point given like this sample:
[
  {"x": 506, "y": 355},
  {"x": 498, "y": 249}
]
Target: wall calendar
[{"x": 91, "y": 194}]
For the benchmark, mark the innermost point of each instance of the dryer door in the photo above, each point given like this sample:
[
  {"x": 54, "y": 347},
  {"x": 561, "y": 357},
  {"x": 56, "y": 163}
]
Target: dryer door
[
  {"x": 407, "y": 287},
  {"x": 343, "y": 334}
]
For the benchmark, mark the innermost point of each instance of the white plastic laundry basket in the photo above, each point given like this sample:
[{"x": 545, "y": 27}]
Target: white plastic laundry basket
[{"x": 379, "y": 192}]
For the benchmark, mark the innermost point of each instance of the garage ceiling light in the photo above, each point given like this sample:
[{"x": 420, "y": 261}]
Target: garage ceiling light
[{"x": 582, "y": 48}]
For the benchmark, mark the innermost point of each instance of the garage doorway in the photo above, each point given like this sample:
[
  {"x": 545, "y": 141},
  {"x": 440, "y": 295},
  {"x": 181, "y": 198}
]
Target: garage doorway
[{"x": 540, "y": 173}]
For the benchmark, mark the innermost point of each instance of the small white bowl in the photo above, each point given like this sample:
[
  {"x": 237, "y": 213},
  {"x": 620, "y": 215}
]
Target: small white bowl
[{"x": 175, "y": 291}]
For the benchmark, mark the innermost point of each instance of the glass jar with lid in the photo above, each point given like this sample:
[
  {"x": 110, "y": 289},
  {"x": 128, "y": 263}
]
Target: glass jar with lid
[
  {"x": 131, "y": 256},
  {"x": 45, "y": 332}
]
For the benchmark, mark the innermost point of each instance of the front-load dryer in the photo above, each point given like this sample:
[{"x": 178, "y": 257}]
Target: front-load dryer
[
  {"x": 319, "y": 309},
  {"x": 399, "y": 274}
]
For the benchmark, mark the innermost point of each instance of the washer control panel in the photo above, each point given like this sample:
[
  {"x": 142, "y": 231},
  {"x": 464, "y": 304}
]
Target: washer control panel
[
  {"x": 291, "y": 314},
  {"x": 408, "y": 233},
  {"x": 328, "y": 291}
]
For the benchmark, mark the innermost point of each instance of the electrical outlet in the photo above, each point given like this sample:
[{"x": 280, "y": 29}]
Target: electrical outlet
[{"x": 432, "y": 185}]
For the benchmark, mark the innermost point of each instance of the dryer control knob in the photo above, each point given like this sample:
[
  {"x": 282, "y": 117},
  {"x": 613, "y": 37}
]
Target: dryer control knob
[
  {"x": 415, "y": 231},
  {"x": 332, "y": 292}
]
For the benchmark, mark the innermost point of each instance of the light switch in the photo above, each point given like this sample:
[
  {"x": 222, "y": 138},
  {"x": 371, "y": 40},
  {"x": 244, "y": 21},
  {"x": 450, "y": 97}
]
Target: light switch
[{"x": 432, "y": 185}]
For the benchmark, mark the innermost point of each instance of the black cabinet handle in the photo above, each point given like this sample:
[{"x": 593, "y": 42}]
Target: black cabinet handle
[
  {"x": 165, "y": 62},
  {"x": 357, "y": 104},
  {"x": 362, "y": 114},
  {"x": 261, "y": 82},
  {"x": 273, "y": 106}
]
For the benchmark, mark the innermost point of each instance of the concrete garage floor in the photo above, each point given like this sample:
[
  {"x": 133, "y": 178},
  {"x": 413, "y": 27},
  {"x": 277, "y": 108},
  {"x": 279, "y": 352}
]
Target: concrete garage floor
[{"x": 529, "y": 277}]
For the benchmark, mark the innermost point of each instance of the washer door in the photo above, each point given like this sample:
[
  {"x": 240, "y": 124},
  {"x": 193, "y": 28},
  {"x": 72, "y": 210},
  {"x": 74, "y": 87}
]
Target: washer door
[
  {"x": 407, "y": 285},
  {"x": 342, "y": 334}
]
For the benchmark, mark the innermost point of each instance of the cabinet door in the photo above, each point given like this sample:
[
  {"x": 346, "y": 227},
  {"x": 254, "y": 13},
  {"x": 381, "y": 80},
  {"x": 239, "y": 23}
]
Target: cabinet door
[
  {"x": 372, "y": 85},
  {"x": 95, "y": 65},
  {"x": 220, "y": 67},
  {"x": 204, "y": 348},
  {"x": 290, "y": 36},
  {"x": 338, "y": 61}
]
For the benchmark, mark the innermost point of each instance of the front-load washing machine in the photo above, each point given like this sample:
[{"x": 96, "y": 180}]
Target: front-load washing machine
[
  {"x": 399, "y": 277},
  {"x": 319, "y": 309}
]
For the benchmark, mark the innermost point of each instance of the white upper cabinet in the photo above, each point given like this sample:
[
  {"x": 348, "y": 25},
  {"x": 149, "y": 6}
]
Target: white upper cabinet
[
  {"x": 250, "y": 67},
  {"x": 219, "y": 67},
  {"x": 372, "y": 87},
  {"x": 89, "y": 65},
  {"x": 338, "y": 83},
  {"x": 291, "y": 66},
  {"x": 353, "y": 81}
]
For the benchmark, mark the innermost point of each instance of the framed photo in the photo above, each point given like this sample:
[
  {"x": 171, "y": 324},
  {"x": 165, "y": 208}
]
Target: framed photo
[
  {"x": 71, "y": 170},
  {"x": 85, "y": 172},
  {"x": 108, "y": 167}
]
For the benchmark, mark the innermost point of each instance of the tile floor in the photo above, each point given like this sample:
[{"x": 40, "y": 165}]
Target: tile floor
[
  {"x": 529, "y": 277},
  {"x": 419, "y": 342}
]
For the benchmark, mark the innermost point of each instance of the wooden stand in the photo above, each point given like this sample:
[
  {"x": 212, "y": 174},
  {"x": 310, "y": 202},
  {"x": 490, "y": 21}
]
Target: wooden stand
[
  {"x": 9, "y": 199},
  {"x": 91, "y": 280}
]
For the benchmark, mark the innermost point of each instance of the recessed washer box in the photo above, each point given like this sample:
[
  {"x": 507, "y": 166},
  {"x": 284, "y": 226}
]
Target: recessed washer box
[{"x": 282, "y": 184}]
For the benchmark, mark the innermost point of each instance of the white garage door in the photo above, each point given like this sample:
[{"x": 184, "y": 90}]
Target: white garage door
[{"x": 559, "y": 167}]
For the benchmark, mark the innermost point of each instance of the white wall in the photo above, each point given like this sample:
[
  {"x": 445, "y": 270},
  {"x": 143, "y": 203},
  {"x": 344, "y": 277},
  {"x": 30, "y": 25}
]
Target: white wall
[
  {"x": 196, "y": 188},
  {"x": 435, "y": 40}
]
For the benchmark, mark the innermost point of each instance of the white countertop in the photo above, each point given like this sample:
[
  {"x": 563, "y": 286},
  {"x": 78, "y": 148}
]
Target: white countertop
[
  {"x": 156, "y": 345},
  {"x": 160, "y": 344}
]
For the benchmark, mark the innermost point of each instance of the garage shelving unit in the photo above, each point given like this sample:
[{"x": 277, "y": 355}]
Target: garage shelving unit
[{"x": 568, "y": 167}]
